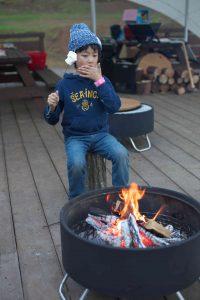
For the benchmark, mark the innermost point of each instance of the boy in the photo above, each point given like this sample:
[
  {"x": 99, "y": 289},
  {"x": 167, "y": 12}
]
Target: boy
[{"x": 86, "y": 98}]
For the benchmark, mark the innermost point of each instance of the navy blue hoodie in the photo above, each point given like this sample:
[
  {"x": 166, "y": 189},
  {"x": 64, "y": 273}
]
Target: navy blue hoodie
[{"x": 86, "y": 107}]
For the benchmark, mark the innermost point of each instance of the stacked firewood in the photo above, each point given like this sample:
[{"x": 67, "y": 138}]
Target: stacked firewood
[{"x": 156, "y": 80}]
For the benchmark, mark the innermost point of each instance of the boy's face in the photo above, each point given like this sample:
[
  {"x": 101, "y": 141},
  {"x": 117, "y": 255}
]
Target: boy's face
[{"x": 87, "y": 57}]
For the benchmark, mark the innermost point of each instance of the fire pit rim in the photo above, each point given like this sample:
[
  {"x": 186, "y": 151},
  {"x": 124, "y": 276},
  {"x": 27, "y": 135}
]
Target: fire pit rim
[{"x": 158, "y": 190}]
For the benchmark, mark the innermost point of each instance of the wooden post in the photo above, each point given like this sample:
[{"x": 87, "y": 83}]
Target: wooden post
[
  {"x": 188, "y": 65},
  {"x": 96, "y": 171}
]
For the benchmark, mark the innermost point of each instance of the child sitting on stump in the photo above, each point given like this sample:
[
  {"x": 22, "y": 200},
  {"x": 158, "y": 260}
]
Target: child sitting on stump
[{"x": 87, "y": 98}]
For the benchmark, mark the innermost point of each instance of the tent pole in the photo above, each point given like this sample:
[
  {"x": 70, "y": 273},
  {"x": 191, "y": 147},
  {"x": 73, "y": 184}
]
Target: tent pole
[
  {"x": 93, "y": 15},
  {"x": 186, "y": 21}
]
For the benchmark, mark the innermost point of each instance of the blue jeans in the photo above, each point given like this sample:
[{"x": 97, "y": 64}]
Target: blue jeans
[{"x": 104, "y": 144}]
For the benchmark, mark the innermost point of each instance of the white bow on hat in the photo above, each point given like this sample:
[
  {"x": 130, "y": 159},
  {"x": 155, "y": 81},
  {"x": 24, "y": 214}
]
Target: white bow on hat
[{"x": 71, "y": 58}]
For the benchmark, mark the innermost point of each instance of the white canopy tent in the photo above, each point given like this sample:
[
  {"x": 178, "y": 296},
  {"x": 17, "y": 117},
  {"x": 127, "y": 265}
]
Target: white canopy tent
[{"x": 185, "y": 12}]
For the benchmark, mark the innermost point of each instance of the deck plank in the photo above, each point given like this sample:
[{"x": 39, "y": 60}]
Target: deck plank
[
  {"x": 149, "y": 172},
  {"x": 175, "y": 172},
  {"x": 51, "y": 140},
  {"x": 177, "y": 140},
  {"x": 163, "y": 118},
  {"x": 188, "y": 102},
  {"x": 49, "y": 186},
  {"x": 179, "y": 124},
  {"x": 185, "y": 160},
  {"x": 38, "y": 261},
  {"x": 182, "y": 117},
  {"x": 10, "y": 277},
  {"x": 181, "y": 108}
]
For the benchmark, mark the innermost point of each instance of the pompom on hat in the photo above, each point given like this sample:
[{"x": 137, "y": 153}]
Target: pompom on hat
[{"x": 80, "y": 35}]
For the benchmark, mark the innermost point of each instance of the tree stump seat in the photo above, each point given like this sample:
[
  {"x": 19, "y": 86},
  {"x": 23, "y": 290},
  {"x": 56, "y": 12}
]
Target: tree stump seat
[{"x": 96, "y": 171}]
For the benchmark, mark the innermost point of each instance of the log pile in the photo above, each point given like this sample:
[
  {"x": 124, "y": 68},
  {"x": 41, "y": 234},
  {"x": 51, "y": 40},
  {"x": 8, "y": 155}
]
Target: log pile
[{"x": 156, "y": 80}]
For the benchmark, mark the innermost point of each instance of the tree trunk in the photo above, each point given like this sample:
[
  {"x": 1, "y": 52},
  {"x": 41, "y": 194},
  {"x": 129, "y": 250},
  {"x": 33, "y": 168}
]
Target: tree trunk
[
  {"x": 168, "y": 72},
  {"x": 96, "y": 171},
  {"x": 171, "y": 81},
  {"x": 180, "y": 90},
  {"x": 143, "y": 87},
  {"x": 164, "y": 88},
  {"x": 163, "y": 79}
]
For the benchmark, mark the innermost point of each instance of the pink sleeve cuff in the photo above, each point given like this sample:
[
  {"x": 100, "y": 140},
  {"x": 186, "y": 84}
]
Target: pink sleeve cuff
[{"x": 99, "y": 82}]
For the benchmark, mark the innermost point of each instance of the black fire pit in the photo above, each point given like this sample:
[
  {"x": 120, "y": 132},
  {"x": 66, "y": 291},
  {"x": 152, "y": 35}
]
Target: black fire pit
[{"x": 139, "y": 273}]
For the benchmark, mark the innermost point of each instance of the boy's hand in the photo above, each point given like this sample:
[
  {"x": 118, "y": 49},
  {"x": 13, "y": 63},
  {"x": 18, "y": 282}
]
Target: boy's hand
[
  {"x": 93, "y": 73},
  {"x": 53, "y": 100}
]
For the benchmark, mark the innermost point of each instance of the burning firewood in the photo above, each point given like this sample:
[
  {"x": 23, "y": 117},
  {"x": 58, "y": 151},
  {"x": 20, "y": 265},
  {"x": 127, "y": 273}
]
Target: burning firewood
[
  {"x": 95, "y": 222},
  {"x": 126, "y": 226},
  {"x": 104, "y": 219},
  {"x": 110, "y": 239},
  {"x": 126, "y": 234},
  {"x": 156, "y": 240},
  {"x": 117, "y": 208},
  {"x": 146, "y": 240},
  {"x": 151, "y": 224},
  {"x": 135, "y": 231}
]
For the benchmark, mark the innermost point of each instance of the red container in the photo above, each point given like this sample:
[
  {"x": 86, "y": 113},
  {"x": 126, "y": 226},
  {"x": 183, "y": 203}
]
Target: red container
[{"x": 37, "y": 60}]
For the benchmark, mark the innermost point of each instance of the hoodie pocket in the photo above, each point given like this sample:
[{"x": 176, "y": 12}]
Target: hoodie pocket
[{"x": 84, "y": 125}]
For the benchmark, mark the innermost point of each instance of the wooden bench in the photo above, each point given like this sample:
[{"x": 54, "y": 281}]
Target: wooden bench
[{"x": 48, "y": 77}]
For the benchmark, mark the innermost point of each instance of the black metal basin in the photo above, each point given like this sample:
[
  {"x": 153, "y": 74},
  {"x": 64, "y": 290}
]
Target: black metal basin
[{"x": 139, "y": 273}]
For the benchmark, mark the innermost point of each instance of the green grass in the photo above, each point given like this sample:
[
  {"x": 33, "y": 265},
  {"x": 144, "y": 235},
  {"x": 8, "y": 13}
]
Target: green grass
[
  {"x": 32, "y": 21},
  {"x": 20, "y": 22},
  {"x": 18, "y": 16}
]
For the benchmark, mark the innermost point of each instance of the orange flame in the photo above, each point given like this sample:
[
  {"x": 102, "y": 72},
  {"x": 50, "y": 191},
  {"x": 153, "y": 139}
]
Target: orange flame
[
  {"x": 108, "y": 197},
  {"x": 131, "y": 197},
  {"x": 130, "y": 205},
  {"x": 158, "y": 212}
]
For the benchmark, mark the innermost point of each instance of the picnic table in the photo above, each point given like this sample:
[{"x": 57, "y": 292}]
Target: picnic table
[{"x": 14, "y": 68}]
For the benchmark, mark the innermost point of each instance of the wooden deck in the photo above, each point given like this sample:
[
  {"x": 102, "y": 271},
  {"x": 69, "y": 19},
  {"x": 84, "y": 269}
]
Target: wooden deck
[{"x": 33, "y": 188}]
